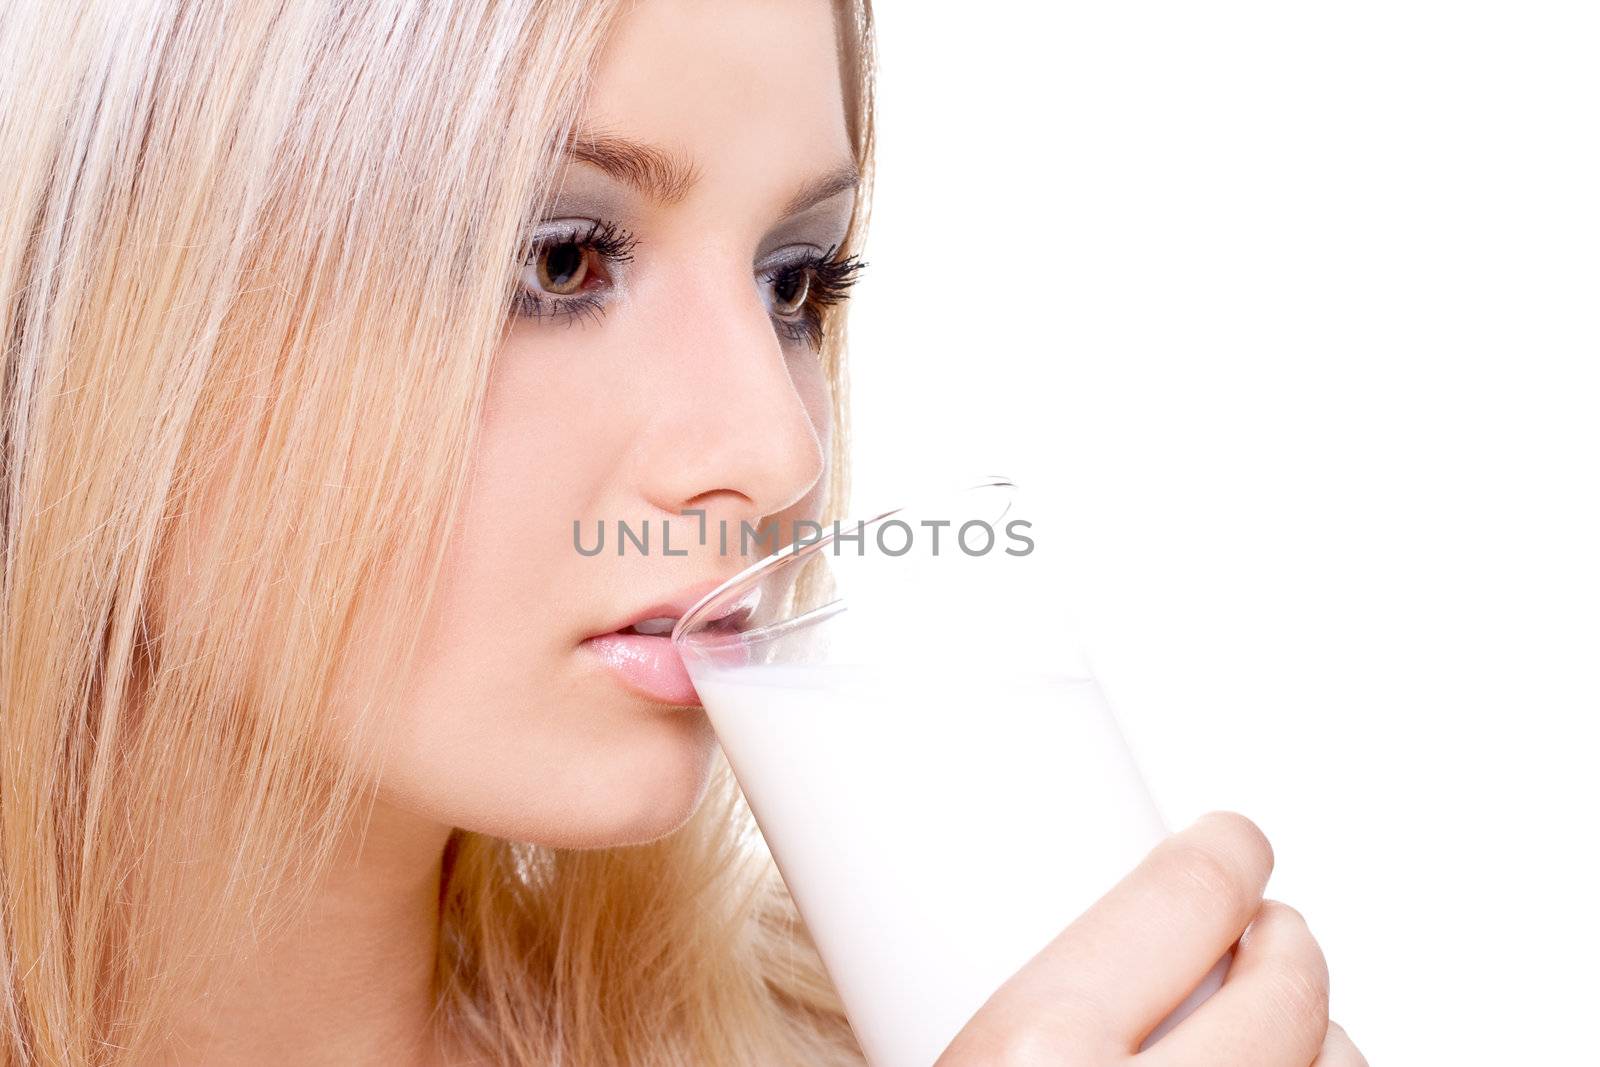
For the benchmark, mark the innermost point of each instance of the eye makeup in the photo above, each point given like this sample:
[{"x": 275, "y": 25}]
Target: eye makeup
[
  {"x": 574, "y": 260},
  {"x": 570, "y": 267},
  {"x": 800, "y": 287}
]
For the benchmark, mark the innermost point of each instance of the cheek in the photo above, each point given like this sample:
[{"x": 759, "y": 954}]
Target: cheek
[
  {"x": 502, "y": 727},
  {"x": 811, "y": 385}
]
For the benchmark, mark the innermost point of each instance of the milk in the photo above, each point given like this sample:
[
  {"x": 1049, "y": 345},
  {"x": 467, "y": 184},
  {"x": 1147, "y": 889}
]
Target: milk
[{"x": 937, "y": 824}]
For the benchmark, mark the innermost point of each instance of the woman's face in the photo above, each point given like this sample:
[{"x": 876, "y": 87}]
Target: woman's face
[{"x": 662, "y": 358}]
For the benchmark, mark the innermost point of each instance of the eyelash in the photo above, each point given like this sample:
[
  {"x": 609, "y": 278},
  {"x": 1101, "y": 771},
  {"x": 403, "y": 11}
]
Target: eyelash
[
  {"x": 610, "y": 242},
  {"x": 831, "y": 276}
]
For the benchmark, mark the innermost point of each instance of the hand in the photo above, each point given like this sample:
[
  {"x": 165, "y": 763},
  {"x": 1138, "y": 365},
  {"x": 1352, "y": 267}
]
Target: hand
[{"x": 1089, "y": 997}]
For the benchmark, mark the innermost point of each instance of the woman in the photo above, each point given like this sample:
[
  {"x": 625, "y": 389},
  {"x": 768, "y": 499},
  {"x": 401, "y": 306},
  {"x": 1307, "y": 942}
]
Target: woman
[{"x": 326, "y": 321}]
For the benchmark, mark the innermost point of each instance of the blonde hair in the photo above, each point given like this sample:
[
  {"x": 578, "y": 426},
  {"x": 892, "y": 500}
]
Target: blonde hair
[{"x": 255, "y": 260}]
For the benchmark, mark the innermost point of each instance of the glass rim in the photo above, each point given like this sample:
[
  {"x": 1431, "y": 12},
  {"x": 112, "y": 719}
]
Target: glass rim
[{"x": 795, "y": 552}]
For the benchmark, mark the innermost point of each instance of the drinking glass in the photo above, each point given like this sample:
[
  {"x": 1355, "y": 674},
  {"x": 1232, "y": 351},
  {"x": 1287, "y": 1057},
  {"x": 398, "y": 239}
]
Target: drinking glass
[{"x": 937, "y": 774}]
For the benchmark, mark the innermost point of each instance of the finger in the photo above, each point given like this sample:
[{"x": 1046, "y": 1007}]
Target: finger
[
  {"x": 1138, "y": 951},
  {"x": 1272, "y": 1011},
  {"x": 1338, "y": 1050}
]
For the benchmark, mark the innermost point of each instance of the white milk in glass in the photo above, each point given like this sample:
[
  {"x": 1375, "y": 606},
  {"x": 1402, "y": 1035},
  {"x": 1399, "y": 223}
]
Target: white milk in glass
[
  {"x": 936, "y": 828},
  {"x": 938, "y": 776}
]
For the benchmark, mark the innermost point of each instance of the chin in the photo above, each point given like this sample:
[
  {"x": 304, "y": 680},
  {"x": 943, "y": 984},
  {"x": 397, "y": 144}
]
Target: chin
[
  {"x": 628, "y": 816},
  {"x": 640, "y": 824},
  {"x": 647, "y": 801},
  {"x": 648, "y": 786},
  {"x": 637, "y": 791}
]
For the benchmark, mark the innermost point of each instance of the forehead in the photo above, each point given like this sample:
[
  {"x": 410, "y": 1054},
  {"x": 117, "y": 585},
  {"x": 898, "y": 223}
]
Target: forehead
[{"x": 739, "y": 86}]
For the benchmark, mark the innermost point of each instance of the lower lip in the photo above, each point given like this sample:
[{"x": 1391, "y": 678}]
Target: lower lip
[{"x": 648, "y": 665}]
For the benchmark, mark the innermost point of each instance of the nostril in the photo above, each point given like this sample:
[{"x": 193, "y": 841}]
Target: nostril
[{"x": 701, "y": 501}]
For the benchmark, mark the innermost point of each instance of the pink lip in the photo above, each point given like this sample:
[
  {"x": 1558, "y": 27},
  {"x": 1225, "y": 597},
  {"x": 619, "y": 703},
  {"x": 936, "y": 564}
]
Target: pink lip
[{"x": 648, "y": 664}]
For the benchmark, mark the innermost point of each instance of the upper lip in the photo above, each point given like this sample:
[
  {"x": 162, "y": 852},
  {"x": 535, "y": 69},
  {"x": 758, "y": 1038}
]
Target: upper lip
[{"x": 673, "y": 607}]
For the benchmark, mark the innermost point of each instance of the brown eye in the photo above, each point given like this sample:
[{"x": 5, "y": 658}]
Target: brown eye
[
  {"x": 789, "y": 292},
  {"x": 569, "y": 269},
  {"x": 561, "y": 269}
]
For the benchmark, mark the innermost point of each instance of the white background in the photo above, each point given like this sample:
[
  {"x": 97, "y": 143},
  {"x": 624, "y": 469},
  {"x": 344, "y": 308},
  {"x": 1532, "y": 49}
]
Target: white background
[{"x": 1287, "y": 314}]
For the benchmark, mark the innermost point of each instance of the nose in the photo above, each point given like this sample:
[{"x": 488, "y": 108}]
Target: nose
[{"x": 741, "y": 427}]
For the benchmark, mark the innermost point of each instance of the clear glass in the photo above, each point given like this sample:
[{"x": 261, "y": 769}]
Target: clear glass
[{"x": 938, "y": 776}]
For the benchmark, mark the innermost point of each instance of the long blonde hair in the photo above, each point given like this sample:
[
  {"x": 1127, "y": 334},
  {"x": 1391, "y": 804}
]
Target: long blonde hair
[{"x": 255, "y": 259}]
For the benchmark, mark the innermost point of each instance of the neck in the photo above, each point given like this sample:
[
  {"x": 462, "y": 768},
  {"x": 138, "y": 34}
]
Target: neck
[{"x": 352, "y": 981}]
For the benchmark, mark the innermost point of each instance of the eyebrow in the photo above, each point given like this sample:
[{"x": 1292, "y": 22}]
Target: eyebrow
[
  {"x": 656, "y": 172},
  {"x": 667, "y": 176},
  {"x": 842, "y": 178}
]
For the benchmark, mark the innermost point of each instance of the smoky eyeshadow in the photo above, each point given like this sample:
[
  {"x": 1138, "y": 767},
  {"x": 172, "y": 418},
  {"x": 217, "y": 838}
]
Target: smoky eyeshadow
[
  {"x": 583, "y": 192},
  {"x": 822, "y": 225}
]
